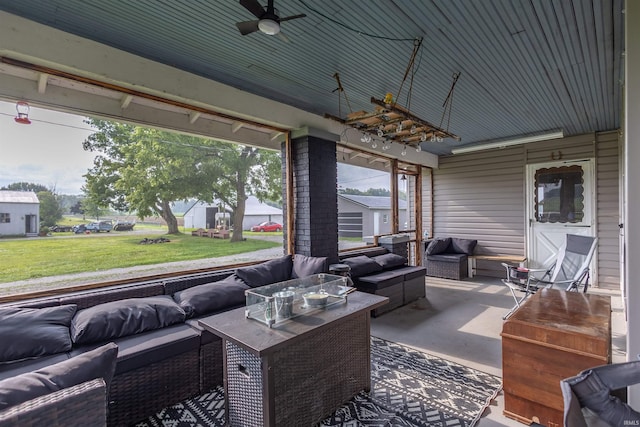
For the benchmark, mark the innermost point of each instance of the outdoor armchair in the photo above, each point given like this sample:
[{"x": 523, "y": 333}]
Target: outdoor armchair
[{"x": 568, "y": 272}]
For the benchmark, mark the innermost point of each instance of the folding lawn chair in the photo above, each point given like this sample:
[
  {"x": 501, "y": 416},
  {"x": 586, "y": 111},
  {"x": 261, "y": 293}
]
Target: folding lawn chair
[{"x": 568, "y": 272}]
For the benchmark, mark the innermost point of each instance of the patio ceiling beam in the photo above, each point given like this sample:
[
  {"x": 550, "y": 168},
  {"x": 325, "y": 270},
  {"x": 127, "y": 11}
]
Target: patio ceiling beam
[
  {"x": 126, "y": 100},
  {"x": 43, "y": 79},
  {"x": 193, "y": 116}
]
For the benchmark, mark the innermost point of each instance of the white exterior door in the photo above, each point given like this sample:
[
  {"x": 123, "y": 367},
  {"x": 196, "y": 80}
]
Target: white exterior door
[
  {"x": 376, "y": 223},
  {"x": 560, "y": 201}
]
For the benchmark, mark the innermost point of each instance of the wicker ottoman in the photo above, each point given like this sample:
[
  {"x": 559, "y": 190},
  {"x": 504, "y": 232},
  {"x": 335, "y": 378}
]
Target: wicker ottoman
[{"x": 447, "y": 266}]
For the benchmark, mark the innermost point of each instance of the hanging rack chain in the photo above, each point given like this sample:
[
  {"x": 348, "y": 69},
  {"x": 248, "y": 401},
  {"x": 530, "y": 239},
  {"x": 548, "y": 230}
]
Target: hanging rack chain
[
  {"x": 341, "y": 90},
  {"x": 448, "y": 102},
  {"x": 417, "y": 43}
]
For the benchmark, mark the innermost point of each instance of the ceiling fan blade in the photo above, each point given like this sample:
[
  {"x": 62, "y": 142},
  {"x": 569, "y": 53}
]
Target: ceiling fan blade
[
  {"x": 289, "y": 18},
  {"x": 283, "y": 37},
  {"x": 247, "y": 27},
  {"x": 253, "y": 6}
]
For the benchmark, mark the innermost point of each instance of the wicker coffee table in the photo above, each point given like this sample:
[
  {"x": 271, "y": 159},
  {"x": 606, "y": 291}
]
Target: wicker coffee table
[{"x": 297, "y": 372}]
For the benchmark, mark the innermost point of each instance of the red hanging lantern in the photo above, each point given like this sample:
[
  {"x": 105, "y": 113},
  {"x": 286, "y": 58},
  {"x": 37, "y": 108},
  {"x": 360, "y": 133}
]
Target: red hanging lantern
[{"x": 22, "y": 108}]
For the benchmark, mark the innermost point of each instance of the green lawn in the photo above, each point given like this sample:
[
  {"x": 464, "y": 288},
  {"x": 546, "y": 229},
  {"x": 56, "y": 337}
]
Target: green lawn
[{"x": 49, "y": 256}]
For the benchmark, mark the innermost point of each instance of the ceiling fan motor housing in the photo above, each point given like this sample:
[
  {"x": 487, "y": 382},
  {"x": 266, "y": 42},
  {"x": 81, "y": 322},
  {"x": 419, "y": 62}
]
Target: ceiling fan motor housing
[{"x": 269, "y": 24}]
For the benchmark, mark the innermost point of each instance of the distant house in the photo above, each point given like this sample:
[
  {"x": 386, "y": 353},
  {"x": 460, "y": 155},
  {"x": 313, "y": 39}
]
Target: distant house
[
  {"x": 19, "y": 213},
  {"x": 208, "y": 215},
  {"x": 361, "y": 216}
]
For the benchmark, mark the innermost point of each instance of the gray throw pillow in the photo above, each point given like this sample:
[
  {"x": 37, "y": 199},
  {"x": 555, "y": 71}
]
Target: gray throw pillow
[
  {"x": 362, "y": 265},
  {"x": 463, "y": 246},
  {"x": 211, "y": 297},
  {"x": 34, "y": 332},
  {"x": 132, "y": 316},
  {"x": 438, "y": 245},
  {"x": 390, "y": 260},
  {"x": 304, "y": 266},
  {"x": 266, "y": 273},
  {"x": 98, "y": 363}
]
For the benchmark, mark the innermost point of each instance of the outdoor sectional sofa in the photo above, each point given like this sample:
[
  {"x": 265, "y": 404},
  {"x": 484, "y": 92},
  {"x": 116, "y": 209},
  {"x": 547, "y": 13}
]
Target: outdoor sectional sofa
[
  {"x": 377, "y": 271},
  {"x": 163, "y": 355}
]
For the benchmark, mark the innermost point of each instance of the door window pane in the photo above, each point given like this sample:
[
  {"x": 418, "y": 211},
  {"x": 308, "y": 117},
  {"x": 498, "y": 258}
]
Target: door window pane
[{"x": 559, "y": 195}]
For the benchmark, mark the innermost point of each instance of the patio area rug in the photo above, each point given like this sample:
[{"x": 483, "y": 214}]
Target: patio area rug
[{"x": 409, "y": 388}]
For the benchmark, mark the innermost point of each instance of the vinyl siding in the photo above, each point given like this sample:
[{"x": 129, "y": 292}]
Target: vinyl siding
[
  {"x": 608, "y": 209},
  {"x": 481, "y": 196}
]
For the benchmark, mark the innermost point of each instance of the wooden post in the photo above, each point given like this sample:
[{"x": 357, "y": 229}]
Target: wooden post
[
  {"x": 418, "y": 215},
  {"x": 290, "y": 199},
  {"x": 394, "y": 196}
]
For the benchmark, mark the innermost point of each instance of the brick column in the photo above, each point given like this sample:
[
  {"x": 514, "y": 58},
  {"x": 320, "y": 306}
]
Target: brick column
[{"x": 315, "y": 184}]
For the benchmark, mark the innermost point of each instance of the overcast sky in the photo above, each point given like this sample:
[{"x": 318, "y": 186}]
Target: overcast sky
[{"x": 49, "y": 152}]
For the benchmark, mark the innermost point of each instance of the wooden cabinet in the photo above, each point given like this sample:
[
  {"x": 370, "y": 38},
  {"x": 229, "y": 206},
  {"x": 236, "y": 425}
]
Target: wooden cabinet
[{"x": 552, "y": 336}]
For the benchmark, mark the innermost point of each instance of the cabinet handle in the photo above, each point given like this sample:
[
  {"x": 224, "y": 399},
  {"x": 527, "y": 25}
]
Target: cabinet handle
[{"x": 244, "y": 371}]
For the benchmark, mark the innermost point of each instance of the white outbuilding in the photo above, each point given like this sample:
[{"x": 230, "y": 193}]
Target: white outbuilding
[
  {"x": 19, "y": 213},
  {"x": 208, "y": 215}
]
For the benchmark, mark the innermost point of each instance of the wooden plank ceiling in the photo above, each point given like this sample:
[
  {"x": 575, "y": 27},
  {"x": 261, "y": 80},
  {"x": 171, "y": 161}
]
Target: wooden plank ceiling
[{"x": 525, "y": 67}]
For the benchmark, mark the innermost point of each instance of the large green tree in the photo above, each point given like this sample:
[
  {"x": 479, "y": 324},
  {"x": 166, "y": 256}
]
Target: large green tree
[
  {"x": 50, "y": 210},
  {"x": 25, "y": 186},
  {"x": 145, "y": 170}
]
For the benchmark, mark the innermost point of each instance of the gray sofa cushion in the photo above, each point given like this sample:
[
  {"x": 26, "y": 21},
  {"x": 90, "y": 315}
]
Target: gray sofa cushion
[
  {"x": 438, "y": 245},
  {"x": 390, "y": 260},
  {"x": 463, "y": 246},
  {"x": 304, "y": 266},
  {"x": 34, "y": 332},
  {"x": 12, "y": 369},
  {"x": 266, "y": 273},
  {"x": 137, "y": 351},
  {"x": 115, "y": 319},
  {"x": 383, "y": 279},
  {"x": 98, "y": 363},
  {"x": 411, "y": 271},
  {"x": 362, "y": 265},
  {"x": 211, "y": 297}
]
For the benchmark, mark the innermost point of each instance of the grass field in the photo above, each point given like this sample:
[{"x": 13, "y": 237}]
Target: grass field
[{"x": 24, "y": 259}]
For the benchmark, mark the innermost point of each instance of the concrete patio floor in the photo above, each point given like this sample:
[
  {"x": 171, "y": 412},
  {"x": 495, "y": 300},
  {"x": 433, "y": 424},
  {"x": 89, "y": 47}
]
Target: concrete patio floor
[{"x": 461, "y": 321}]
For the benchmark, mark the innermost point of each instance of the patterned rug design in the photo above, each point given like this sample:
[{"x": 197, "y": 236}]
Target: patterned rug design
[{"x": 409, "y": 388}]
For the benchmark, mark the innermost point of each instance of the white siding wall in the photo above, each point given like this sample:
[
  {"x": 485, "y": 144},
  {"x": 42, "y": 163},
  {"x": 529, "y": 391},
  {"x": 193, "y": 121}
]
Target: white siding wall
[
  {"x": 18, "y": 213},
  {"x": 481, "y": 196},
  {"x": 608, "y": 210}
]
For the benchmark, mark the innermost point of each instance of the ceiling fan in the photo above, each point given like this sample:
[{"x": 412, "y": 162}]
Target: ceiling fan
[{"x": 268, "y": 21}]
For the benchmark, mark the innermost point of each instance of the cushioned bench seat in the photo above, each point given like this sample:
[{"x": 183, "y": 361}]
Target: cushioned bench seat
[
  {"x": 384, "y": 283},
  {"x": 386, "y": 274}
]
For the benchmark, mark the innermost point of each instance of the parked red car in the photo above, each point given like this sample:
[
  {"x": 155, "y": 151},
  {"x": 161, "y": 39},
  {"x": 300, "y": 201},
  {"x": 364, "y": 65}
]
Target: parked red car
[{"x": 267, "y": 226}]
